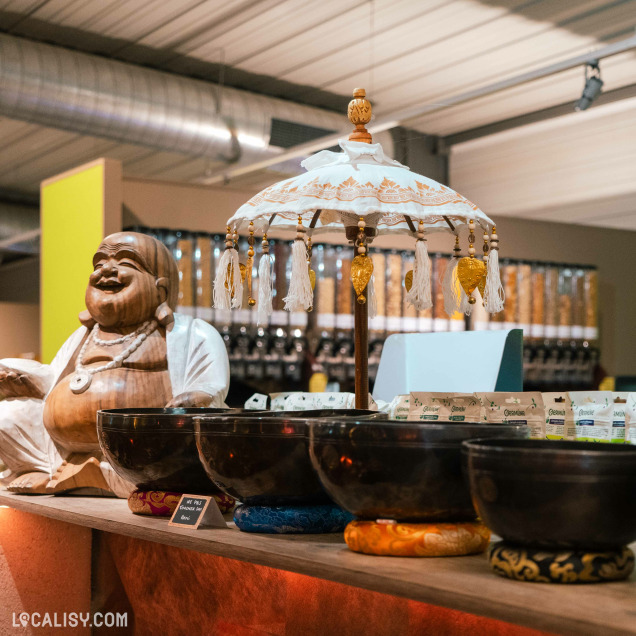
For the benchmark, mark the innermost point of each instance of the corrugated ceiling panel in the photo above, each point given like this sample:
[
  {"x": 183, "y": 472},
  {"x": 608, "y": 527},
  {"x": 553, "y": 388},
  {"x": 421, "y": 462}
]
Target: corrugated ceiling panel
[
  {"x": 12, "y": 130},
  {"x": 317, "y": 38},
  {"x": 65, "y": 11},
  {"x": 32, "y": 153},
  {"x": 344, "y": 45},
  {"x": 390, "y": 47},
  {"x": 459, "y": 62},
  {"x": 39, "y": 152},
  {"x": 219, "y": 18},
  {"x": 134, "y": 19},
  {"x": 338, "y": 47},
  {"x": 56, "y": 154},
  {"x": 273, "y": 26},
  {"x": 556, "y": 89},
  {"x": 19, "y": 6},
  {"x": 200, "y": 18},
  {"x": 35, "y": 142},
  {"x": 467, "y": 71},
  {"x": 455, "y": 30}
]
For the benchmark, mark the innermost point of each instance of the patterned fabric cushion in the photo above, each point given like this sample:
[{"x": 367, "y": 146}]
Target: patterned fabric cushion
[
  {"x": 158, "y": 503},
  {"x": 417, "y": 539},
  {"x": 291, "y": 519},
  {"x": 560, "y": 566}
]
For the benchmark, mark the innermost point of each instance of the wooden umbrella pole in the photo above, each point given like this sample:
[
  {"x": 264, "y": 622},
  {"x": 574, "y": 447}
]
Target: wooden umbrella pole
[
  {"x": 361, "y": 339},
  {"x": 359, "y": 113}
]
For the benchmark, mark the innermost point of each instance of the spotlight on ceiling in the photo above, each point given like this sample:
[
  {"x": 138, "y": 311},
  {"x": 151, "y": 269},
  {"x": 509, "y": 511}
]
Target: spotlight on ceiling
[{"x": 593, "y": 86}]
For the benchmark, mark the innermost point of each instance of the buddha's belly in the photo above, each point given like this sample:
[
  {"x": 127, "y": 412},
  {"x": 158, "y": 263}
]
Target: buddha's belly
[{"x": 70, "y": 418}]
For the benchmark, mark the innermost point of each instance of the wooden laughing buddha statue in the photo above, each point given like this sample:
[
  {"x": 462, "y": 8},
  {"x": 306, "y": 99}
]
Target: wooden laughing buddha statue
[{"x": 132, "y": 351}]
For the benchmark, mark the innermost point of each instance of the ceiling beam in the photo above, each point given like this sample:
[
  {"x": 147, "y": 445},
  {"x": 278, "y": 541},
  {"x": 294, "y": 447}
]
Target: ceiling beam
[
  {"x": 16, "y": 239},
  {"x": 19, "y": 197},
  {"x": 404, "y": 116}
]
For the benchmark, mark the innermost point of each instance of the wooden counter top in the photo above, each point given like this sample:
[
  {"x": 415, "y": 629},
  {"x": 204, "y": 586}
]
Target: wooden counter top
[{"x": 462, "y": 583}]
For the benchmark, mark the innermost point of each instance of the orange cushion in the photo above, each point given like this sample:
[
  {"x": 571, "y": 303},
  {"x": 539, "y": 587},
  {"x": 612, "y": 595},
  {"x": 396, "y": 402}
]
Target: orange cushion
[{"x": 417, "y": 539}]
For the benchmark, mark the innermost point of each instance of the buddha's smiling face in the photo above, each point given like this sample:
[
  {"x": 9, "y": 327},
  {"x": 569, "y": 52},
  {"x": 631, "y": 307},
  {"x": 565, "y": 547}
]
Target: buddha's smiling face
[{"x": 122, "y": 289}]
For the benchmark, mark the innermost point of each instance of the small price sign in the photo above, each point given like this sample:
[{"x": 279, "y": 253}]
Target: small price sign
[{"x": 194, "y": 511}]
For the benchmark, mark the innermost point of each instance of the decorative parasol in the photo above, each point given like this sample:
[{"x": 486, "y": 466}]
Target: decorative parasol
[{"x": 365, "y": 193}]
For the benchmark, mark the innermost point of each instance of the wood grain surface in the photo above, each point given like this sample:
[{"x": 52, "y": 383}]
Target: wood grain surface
[{"x": 461, "y": 583}]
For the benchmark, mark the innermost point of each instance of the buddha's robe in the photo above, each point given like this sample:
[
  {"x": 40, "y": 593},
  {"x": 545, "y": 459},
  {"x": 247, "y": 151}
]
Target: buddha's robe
[{"x": 197, "y": 361}]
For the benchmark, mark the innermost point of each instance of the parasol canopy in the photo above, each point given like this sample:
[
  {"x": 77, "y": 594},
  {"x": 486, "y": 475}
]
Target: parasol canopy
[
  {"x": 360, "y": 181},
  {"x": 365, "y": 193}
]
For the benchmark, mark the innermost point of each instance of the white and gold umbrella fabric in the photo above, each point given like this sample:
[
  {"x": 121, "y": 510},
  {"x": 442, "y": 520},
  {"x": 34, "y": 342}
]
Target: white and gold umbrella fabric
[
  {"x": 359, "y": 181},
  {"x": 364, "y": 193}
]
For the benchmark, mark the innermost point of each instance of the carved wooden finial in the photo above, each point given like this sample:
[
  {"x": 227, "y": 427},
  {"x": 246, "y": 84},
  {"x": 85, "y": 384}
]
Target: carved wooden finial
[{"x": 359, "y": 112}]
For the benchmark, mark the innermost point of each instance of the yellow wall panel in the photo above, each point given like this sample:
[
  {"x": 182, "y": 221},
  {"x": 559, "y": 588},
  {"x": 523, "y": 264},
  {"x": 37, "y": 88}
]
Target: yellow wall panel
[{"x": 73, "y": 221}]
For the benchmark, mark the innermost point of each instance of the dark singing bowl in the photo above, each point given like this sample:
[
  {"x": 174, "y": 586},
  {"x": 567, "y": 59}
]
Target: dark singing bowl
[
  {"x": 155, "y": 449},
  {"x": 555, "y": 494},
  {"x": 408, "y": 471},
  {"x": 262, "y": 459}
]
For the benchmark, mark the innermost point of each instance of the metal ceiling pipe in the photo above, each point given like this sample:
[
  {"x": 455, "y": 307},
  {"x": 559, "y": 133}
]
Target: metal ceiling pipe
[{"x": 91, "y": 95}]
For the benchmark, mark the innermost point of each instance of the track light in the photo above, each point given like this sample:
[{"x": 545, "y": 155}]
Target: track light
[{"x": 593, "y": 86}]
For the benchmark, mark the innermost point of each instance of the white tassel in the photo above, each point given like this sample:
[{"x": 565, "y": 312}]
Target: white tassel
[
  {"x": 464, "y": 306},
  {"x": 451, "y": 288},
  {"x": 419, "y": 296},
  {"x": 236, "y": 283},
  {"x": 300, "y": 295},
  {"x": 372, "y": 300},
  {"x": 494, "y": 295},
  {"x": 264, "y": 309},
  {"x": 222, "y": 295}
]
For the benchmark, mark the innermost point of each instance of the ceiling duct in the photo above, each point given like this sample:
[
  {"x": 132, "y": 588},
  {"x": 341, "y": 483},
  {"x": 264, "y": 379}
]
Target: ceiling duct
[{"x": 91, "y": 95}]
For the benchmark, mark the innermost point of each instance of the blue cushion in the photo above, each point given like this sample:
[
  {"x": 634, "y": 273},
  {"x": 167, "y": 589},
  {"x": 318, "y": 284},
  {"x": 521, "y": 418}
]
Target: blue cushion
[{"x": 292, "y": 519}]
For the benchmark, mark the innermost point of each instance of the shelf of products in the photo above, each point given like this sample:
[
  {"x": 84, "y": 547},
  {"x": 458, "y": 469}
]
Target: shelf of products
[
  {"x": 554, "y": 304},
  {"x": 549, "y": 301}
]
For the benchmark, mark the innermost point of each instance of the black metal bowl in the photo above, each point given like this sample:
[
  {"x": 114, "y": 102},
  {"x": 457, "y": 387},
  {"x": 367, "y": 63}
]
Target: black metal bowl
[
  {"x": 155, "y": 449},
  {"x": 408, "y": 471},
  {"x": 263, "y": 459},
  {"x": 550, "y": 494}
]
